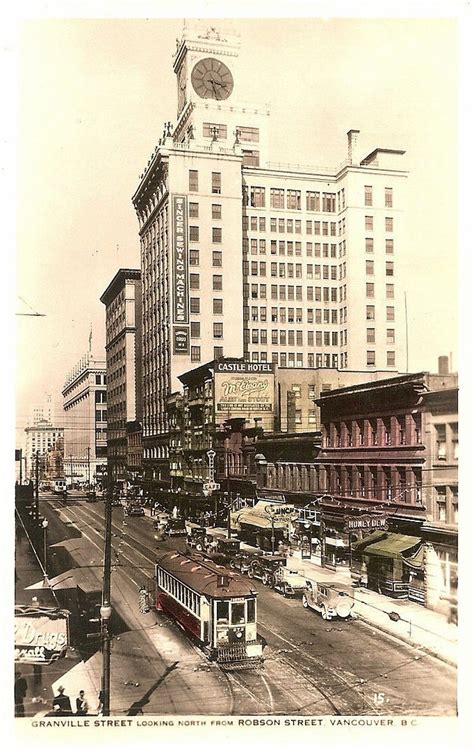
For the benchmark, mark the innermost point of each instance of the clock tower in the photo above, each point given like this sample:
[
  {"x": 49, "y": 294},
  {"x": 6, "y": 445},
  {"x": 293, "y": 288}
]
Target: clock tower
[{"x": 210, "y": 108}]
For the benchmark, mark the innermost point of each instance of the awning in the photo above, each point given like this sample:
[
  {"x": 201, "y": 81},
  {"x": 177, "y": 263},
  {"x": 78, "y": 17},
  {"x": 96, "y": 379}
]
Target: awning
[
  {"x": 387, "y": 545},
  {"x": 261, "y": 515}
]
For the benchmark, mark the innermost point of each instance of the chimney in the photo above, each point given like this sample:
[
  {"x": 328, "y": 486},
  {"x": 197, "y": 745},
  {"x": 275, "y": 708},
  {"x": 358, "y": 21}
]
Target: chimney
[
  {"x": 443, "y": 365},
  {"x": 352, "y": 147}
]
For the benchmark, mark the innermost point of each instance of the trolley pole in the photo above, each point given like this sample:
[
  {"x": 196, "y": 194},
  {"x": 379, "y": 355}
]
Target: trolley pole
[{"x": 106, "y": 610}]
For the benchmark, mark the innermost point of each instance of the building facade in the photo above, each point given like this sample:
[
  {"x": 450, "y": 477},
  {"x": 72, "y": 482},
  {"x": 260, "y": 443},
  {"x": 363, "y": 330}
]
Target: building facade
[
  {"x": 40, "y": 439},
  {"x": 244, "y": 258},
  {"x": 123, "y": 316},
  {"x": 85, "y": 422}
]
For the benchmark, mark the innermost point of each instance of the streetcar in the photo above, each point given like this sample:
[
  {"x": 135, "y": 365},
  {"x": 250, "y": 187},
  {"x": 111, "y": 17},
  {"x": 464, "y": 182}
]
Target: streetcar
[
  {"x": 216, "y": 607},
  {"x": 59, "y": 486}
]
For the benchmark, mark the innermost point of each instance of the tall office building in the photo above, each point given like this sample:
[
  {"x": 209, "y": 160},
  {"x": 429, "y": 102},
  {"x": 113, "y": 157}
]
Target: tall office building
[
  {"x": 123, "y": 346},
  {"x": 244, "y": 257},
  {"x": 85, "y": 422}
]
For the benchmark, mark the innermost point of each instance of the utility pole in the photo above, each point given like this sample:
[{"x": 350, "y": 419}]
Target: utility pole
[
  {"x": 106, "y": 610},
  {"x": 228, "y": 492},
  {"x": 21, "y": 467},
  {"x": 37, "y": 485},
  {"x": 88, "y": 467},
  {"x": 70, "y": 460}
]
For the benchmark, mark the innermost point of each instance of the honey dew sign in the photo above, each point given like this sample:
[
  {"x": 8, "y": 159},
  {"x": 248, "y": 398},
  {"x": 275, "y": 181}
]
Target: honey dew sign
[
  {"x": 41, "y": 637},
  {"x": 244, "y": 389}
]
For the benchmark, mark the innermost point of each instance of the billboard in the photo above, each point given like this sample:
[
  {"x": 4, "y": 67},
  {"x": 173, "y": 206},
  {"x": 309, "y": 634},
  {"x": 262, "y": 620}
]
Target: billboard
[
  {"x": 41, "y": 635},
  {"x": 244, "y": 389},
  {"x": 180, "y": 277}
]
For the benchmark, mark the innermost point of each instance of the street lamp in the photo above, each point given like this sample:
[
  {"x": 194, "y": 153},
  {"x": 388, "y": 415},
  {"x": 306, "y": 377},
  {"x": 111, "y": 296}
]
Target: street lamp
[{"x": 44, "y": 524}]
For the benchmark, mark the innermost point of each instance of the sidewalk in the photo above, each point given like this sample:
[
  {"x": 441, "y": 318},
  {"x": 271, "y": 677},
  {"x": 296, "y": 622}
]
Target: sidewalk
[{"x": 417, "y": 625}]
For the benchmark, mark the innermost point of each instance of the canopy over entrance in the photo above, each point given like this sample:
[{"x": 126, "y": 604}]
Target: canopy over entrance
[
  {"x": 390, "y": 545},
  {"x": 262, "y": 514}
]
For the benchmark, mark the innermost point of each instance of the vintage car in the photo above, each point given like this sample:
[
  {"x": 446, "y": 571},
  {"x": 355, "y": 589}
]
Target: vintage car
[
  {"x": 242, "y": 560},
  {"x": 91, "y": 496},
  {"x": 174, "y": 527},
  {"x": 289, "y": 581},
  {"x": 134, "y": 509},
  {"x": 195, "y": 536},
  {"x": 331, "y": 599},
  {"x": 219, "y": 547},
  {"x": 263, "y": 567}
]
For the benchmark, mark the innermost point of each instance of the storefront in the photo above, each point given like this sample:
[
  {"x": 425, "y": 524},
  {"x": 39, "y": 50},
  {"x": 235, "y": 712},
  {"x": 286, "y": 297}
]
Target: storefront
[
  {"x": 390, "y": 563},
  {"x": 265, "y": 525}
]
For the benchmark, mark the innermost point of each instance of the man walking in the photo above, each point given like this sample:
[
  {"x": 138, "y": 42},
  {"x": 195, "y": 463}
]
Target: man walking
[
  {"x": 20, "y": 688},
  {"x": 62, "y": 703}
]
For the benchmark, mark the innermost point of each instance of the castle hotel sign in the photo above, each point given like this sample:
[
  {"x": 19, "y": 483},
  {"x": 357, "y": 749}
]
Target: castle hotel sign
[
  {"x": 244, "y": 389},
  {"x": 180, "y": 277}
]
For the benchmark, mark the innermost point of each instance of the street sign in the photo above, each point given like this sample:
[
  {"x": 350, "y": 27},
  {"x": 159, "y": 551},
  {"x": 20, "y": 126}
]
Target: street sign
[{"x": 211, "y": 486}]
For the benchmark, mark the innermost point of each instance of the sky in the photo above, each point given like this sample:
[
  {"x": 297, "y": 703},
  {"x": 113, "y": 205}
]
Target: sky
[{"x": 92, "y": 98}]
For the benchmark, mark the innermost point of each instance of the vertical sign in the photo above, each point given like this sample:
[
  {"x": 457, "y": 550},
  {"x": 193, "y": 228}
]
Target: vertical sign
[{"x": 180, "y": 277}]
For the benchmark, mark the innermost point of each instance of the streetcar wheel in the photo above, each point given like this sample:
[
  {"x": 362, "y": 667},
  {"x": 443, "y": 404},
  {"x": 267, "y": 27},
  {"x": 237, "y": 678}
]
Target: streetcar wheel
[{"x": 305, "y": 601}]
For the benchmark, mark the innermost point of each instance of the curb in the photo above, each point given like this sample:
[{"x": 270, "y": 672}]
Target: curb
[{"x": 404, "y": 639}]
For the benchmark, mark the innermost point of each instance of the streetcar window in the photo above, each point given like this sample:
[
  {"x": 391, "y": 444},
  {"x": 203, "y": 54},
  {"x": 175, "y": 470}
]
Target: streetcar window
[
  {"x": 238, "y": 613},
  {"x": 222, "y": 611},
  {"x": 250, "y": 611}
]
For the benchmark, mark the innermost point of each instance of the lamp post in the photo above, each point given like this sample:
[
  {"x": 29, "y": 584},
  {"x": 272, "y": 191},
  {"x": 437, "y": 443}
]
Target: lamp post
[
  {"x": 44, "y": 524},
  {"x": 37, "y": 485},
  {"x": 106, "y": 610}
]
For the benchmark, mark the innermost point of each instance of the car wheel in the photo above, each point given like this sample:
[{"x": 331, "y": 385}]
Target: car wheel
[
  {"x": 250, "y": 573},
  {"x": 305, "y": 601},
  {"x": 284, "y": 590},
  {"x": 199, "y": 547},
  {"x": 324, "y": 614}
]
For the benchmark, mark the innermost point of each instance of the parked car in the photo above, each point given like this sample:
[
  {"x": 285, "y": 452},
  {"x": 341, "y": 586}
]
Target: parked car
[
  {"x": 195, "y": 536},
  {"x": 175, "y": 527},
  {"x": 289, "y": 581},
  {"x": 134, "y": 509},
  {"x": 219, "y": 547},
  {"x": 264, "y": 566},
  {"x": 332, "y": 600},
  {"x": 91, "y": 496}
]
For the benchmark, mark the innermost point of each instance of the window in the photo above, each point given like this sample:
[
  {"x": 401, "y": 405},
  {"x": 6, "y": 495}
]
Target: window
[
  {"x": 194, "y": 281},
  {"x": 277, "y": 198},
  {"x": 369, "y": 244},
  {"x": 390, "y": 359},
  {"x": 293, "y": 199},
  {"x": 194, "y": 259},
  {"x": 195, "y": 329},
  {"x": 248, "y": 134},
  {"x": 261, "y": 223},
  {"x": 454, "y": 440},
  {"x": 312, "y": 201},
  {"x": 216, "y": 182},
  {"x": 390, "y": 291},
  {"x": 369, "y": 267},
  {"x": 371, "y": 336},
  {"x": 370, "y": 289},
  {"x": 329, "y": 202},
  {"x": 217, "y": 258},
  {"x": 388, "y": 198},
  {"x": 370, "y": 312},
  {"x": 194, "y": 234},
  {"x": 369, "y": 223},
  {"x": 193, "y": 180},
  {"x": 390, "y": 313},
  {"x": 209, "y": 130},
  {"x": 194, "y": 210},
  {"x": 440, "y": 496},
  {"x": 250, "y": 158},
  {"x": 389, "y": 246},
  {"x": 440, "y": 441},
  {"x": 390, "y": 336},
  {"x": 370, "y": 357},
  {"x": 195, "y": 305},
  {"x": 217, "y": 306},
  {"x": 257, "y": 197},
  {"x": 195, "y": 353},
  {"x": 388, "y": 224},
  {"x": 218, "y": 330},
  {"x": 216, "y": 211},
  {"x": 368, "y": 199},
  {"x": 389, "y": 268},
  {"x": 217, "y": 234},
  {"x": 222, "y": 612}
]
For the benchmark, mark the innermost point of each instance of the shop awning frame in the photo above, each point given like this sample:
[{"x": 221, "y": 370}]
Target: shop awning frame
[{"x": 390, "y": 545}]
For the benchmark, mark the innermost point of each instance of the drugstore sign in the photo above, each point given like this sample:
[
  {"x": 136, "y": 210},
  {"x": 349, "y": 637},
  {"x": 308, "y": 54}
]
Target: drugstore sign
[{"x": 40, "y": 638}]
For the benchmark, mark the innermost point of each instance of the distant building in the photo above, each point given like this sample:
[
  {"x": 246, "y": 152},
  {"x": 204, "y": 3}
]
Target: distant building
[
  {"x": 85, "y": 422},
  {"x": 39, "y": 440},
  {"x": 123, "y": 346}
]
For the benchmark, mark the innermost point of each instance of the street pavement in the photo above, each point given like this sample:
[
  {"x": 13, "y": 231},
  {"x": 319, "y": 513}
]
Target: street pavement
[{"x": 312, "y": 667}]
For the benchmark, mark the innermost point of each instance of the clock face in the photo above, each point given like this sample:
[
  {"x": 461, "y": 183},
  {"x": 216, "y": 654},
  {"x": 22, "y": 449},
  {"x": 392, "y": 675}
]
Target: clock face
[{"x": 211, "y": 79}]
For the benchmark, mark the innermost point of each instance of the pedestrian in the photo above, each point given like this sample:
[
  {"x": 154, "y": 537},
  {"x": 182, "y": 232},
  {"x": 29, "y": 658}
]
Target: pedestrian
[
  {"x": 81, "y": 704},
  {"x": 62, "y": 703},
  {"x": 20, "y": 688}
]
